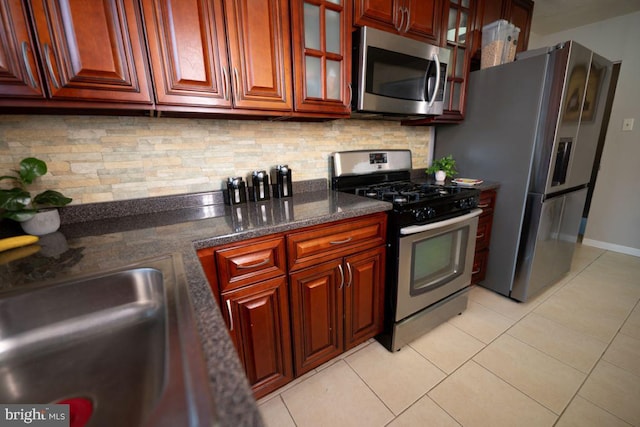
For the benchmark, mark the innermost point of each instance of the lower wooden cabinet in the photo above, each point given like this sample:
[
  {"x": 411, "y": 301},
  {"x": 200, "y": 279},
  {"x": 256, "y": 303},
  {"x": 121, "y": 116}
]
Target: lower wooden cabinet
[
  {"x": 289, "y": 311},
  {"x": 335, "y": 306},
  {"x": 364, "y": 296},
  {"x": 258, "y": 320},
  {"x": 317, "y": 304},
  {"x": 483, "y": 235}
]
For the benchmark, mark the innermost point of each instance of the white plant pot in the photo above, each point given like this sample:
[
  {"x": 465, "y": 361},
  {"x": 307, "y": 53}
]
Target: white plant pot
[
  {"x": 44, "y": 222},
  {"x": 440, "y": 176}
]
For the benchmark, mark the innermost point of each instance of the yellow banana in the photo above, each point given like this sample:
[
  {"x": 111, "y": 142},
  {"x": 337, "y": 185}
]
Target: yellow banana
[
  {"x": 17, "y": 253},
  {"x": 17, "y": 241}
]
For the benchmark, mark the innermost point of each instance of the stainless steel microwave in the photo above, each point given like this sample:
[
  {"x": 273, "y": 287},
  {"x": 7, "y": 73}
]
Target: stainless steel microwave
[{"x": 396, "y": 75}]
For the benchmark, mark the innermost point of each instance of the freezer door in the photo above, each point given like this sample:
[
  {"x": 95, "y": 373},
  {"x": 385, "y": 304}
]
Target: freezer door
[{"x": 550, "y": 235}]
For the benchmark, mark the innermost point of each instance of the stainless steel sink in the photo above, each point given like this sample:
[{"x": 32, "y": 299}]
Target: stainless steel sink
[{"x": 117, "y": 339}]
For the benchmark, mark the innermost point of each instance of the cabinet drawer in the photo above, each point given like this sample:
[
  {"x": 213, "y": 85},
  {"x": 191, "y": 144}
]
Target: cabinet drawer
[
  {"x": 249, "y": 262},
  {"x": 487, "y": 202},
  {"x": 320, "y": 243},
  {"x": 479, "y": 266},
  {"x": 483, "y": 235}
]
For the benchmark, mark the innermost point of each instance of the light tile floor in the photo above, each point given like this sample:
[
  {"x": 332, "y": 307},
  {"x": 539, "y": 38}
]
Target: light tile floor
[{"x": 568, "y": 357}]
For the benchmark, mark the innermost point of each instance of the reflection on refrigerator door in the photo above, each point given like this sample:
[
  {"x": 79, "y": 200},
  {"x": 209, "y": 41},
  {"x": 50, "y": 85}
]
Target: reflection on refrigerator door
[{"x": 549, "y": 241}]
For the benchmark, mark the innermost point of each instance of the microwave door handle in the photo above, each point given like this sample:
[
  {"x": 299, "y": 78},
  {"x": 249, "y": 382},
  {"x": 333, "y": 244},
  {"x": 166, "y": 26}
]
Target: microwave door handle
[{"x": 437, "y": 86}]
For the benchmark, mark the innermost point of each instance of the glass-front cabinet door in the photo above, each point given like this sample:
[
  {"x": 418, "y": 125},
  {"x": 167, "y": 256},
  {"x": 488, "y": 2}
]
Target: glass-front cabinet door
[
  {"x": 457, "y": 36},
  {"x": 322, "y": 55},
  {"x": 458, "y": 39}
]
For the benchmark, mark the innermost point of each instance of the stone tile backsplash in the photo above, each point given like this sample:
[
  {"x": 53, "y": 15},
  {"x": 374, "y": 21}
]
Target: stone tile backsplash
[{"x": 105, "y": 158}]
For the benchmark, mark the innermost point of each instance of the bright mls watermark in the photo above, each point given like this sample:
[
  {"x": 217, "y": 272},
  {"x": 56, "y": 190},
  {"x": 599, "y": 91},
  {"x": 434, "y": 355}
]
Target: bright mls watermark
[{"x": 34, "y": 415}]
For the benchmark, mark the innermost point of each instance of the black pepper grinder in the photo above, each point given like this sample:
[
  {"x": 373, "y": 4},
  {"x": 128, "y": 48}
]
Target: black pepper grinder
[
  {"x": 282, "y": 182},
  {"x": 236, "y": 191},
  {"x": 260, "y": 190}
]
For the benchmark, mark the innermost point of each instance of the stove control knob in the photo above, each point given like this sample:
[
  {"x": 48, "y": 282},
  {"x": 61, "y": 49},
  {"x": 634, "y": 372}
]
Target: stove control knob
[
  {"x": 473, "y": 202},
  {"x": 420, "y": 214},
  {"x": 424, "y": 214}
]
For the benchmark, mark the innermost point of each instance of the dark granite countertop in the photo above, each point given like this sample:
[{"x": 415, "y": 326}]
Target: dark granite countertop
[{"x": 179, "y": 226}]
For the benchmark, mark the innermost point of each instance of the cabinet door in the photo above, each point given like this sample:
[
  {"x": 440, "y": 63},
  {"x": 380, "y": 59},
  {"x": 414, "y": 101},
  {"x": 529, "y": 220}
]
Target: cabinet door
[
  {"x": 19, "y": 72},
  {"x": 188, "y": 52},
  {"x": 419, "y": 19},
  {"x": 364, "y": 296},
  {"x": 258, "y": 321},
  {"x": 520, "y": 14},
  {"x": 321, "y": 55},
  {"x": 460, "y": 15},
  {"x": 423, "y": 19},
  {"x": 479, "y": 271},
  {"x": 317, "y": 314},
  {"x": 381, "y": 14},
  {"x": 260, "y": 52},
  {"x": 92, "y": 50}
]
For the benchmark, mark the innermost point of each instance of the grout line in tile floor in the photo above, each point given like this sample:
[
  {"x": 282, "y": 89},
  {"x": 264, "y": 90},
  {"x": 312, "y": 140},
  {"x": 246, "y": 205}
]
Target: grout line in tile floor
[
  {"x": 568, "y": 280},
  {"x": 470, "y": 358},
  {"x": 594, "y": 367}
]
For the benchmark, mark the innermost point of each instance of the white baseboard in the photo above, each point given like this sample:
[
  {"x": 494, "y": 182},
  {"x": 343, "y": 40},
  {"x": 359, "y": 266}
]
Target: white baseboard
[{"x": 612, "y": 247}]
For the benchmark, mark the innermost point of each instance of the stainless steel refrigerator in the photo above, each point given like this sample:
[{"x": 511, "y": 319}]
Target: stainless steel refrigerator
[{"x": 533, "y": 126}]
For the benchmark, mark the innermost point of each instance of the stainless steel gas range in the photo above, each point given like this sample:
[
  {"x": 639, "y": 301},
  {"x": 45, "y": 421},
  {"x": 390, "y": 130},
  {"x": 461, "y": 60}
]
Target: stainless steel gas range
[{"x": 431, "y": 238}]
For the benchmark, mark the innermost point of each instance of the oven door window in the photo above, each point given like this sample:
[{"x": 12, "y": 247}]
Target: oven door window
[{"x": 437, "y": 260}]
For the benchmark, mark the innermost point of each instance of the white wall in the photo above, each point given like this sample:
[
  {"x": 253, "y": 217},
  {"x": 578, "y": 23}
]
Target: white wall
[{"x": 614, "y": 218}]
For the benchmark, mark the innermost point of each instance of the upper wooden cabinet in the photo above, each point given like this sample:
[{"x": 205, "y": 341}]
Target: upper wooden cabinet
[
  {"x": 321, "y": 55},
  {"x": 220, "y": 53},
  {"x": 92, "y": 50},
  {"x": 419, "y": 19},
  {"x": 518, "y": 12},
  {"x": 19, "y": 70},
  {"x": 188, "y": 52},
  {"x": 259, "y": 38},
  {"x": 457, "y": 36}
]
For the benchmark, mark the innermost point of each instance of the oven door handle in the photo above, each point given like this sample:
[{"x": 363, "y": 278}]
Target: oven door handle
[{"x": 413, "y": 229}]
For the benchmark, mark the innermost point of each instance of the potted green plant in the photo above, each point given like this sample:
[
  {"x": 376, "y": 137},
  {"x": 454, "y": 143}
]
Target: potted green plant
[
  {"x": 444, "y": 167},
  {"x": 16, "y": 203}
]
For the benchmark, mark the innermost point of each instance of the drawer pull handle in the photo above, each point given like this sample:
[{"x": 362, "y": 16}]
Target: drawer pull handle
[
  {"x": 350, "y": 275},
  {"x": 473, "y": 272},
  {"x": 484, "y": 205},
  {"x": 230, "y": 315},
  {"x": 480, "y": 236},
  {"x": 341, "y": 276},
  {"x": 258, "y": 264},
  {"x": 340, "y": 242}
]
